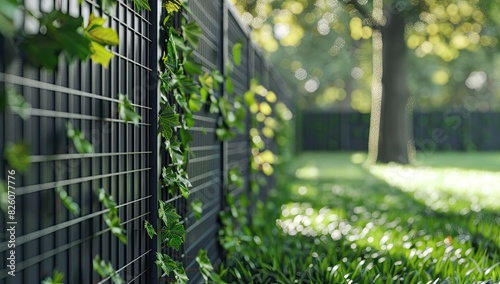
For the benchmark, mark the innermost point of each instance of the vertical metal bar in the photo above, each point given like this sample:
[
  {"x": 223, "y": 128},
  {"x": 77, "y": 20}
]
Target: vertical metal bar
[
  {"x": 153, "y": 137},
  {"x": 223, "y": 46},
  {"x": 250, "y": 53}
]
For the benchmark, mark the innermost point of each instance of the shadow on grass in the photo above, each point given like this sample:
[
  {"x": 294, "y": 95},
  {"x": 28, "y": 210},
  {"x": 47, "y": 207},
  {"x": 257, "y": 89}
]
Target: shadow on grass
[{"x": 341, "y": 223}]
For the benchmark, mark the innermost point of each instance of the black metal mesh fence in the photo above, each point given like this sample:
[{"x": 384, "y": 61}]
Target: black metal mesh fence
[{"x": 126, "y": 160}]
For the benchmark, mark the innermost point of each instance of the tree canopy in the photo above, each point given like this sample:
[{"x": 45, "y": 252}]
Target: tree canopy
[{"x": 324, "y": 48}]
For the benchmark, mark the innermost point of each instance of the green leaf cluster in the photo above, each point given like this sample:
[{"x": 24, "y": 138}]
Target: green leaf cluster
[
  {"x": 18, "y": 156},
  {"x": 172, "y": 6},
  {"x": 82, "y": 145},
  {"x": 67, "y": 200},
  {"x": 126, "y": 110},
  {"x": 172, "y": 232},
  {"x": 111, "y": 218},
  {"x": 100, "y": 37},
  {"x": 176, "y": 178},
  {"x": 9, "y": 8},
  {"x": 105, "y": 269},
  {"x": 56, "y": 278},
  {"x": 197, "y": 208},
  {"x": 206, "y": 268},
  {"x": 16, "y": 103},
  {"x": 168, "y": 265}
]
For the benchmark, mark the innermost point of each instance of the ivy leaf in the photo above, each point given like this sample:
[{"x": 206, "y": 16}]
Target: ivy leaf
[
  {"x": 186, "y": 85},
  {"x": 149, "y": 229},
  {"x": 82, "y": 146},
  {"x": 180, "y": 275},
  {"x": 66, "y": 30},
  {"x": 171, "y": 59},
  {"x": 229, "y": 85},
  {"x": 217, "y": 76},
  {"x": 17, "y": 104},
  {"x": 172, "y": 6},
  {"x": 59, "y": 33},
  {"x": 126, "y": 110},
  {"x": 18, "y": 156},
  {"x": 166, "y": 212},
  {"x": 106, "y": 270},
  {"x": 114, "y": 224},
  {"x": 176, "y": 178},
  {"x": 249, "y": 98},
  {"x": 185, "y": 139},
  {"x": 9, "y": 8},
  {"x": 106, "y": 200},
  {"x": 188, "y": 119},
  {"x": 224, "y": 134},
  {"x": 195, "y": 103},
  {"x": 99, "y": 34},
  {"x": 235, "y": 177},
  {"x": 176, "y": 235},
  {"x": 192, "y": 67},
  {"x": 68, "y": 201},
  {"x": 165, "y": 262},
  {"x": 191, "y": 33},
  {"x": 111, "y": 218},
  {"x": 206, "y": 267},
  {"x": 167, "y": 121},
  {"x": 42, "y": 51},
  {"x": 237, "y": 53},
  {"x": 197, "y": 207},
  {"x": 100, "y": 55},
  {"x": 56, "y": 278},
  {"x": 142, "y": 4},
  {"x": 175, "y": 152}
]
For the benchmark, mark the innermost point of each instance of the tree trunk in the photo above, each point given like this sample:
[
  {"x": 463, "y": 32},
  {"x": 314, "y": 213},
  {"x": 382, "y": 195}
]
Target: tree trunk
[{"x": 396, "y": 126}]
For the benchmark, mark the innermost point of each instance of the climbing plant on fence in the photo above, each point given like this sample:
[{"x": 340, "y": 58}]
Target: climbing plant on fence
[{"x": 185, "y": 89}]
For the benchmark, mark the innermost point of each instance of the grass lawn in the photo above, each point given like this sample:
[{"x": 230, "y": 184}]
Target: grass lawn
[{"x": 336, "y": 220}]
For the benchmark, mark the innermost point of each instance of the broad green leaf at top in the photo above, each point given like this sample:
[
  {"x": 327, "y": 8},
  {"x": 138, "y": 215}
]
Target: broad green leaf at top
[
  {"x": 100, "y": 34},
  {"x": 9, "y": 7},
  {"x": 59, "y": 33}
]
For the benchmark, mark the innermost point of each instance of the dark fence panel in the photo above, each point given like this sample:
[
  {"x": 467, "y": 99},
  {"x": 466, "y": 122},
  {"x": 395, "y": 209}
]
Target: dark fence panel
[
  {"x": 86, "y": 95},
  {"x": 126, "y": 158},
  {"x": 443, "y": 131}
]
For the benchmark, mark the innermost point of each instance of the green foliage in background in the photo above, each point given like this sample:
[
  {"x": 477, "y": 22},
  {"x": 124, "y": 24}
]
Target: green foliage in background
[{"x": 324, "y": 49}]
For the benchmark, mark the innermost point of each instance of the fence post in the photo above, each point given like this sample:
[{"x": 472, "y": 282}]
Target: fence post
[{"x": 153, "y": 136}]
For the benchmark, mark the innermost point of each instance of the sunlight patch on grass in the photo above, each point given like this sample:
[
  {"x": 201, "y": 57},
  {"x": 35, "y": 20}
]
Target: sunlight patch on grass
[
  {"x": 308, "y": 172},
  {"x": 358, "y": 158},
  {"x": 445, "y": 189}
]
